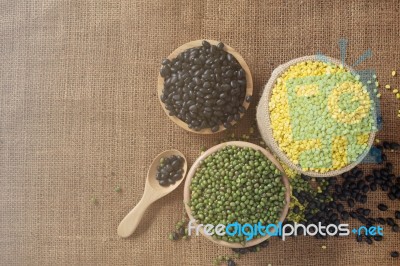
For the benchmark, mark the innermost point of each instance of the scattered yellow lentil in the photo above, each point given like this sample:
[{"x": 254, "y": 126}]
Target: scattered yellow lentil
[
  {"x": 398, "y": 95},
  {"x": 378, "y": 95},
  {"x": 395, "y": 91},
  {"x": 387, "y": 86},
  {"x": 377, "y": 141},
  {"x": 394, "y": 73},
  {"x": 323, "y": 247}
]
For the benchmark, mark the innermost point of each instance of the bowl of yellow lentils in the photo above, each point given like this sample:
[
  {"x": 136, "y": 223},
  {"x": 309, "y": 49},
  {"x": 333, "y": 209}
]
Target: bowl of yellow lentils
[{"x": 317, "y": 116}]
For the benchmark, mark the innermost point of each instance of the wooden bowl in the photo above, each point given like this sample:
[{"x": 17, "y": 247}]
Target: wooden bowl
[
  {"x": 192, "y": 172},
  {"x": 264, "y": 120},
  {"x": 227, "y": 48}
]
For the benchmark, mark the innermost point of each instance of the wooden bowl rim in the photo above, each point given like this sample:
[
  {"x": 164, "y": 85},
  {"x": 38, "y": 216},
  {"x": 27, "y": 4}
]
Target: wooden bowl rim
[
  {"x": 227, "y": 48},
  {"x": 210, "y": 151}
]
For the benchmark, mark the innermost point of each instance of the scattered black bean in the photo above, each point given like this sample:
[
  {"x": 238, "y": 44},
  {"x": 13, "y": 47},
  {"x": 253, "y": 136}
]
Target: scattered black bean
[
  {"x": 395, "y": 228},
  {"x": 382, "y": 207},
  {"x": 397, "y": 214},
  {"x": 378, "y": 238},
  {"x": 394, "y": 146},
  {"x": 181, "y": 231},
  {"x": 231, "y": 263},
  {"x": 390, "y": 221},
  {"x": 381, "y": 220},
  {"x": 394, "y": 254},
  {"x": 350, "y": 202}
]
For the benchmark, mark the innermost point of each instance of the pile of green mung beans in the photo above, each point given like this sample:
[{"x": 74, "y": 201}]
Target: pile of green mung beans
[{"x": 237, "y": 184}]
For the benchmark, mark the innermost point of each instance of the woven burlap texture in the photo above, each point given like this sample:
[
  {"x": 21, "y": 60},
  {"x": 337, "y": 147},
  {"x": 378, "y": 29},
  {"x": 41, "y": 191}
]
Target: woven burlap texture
[
  {"x": 79, "y": 116},
  {"x": 264, "y": 121}
]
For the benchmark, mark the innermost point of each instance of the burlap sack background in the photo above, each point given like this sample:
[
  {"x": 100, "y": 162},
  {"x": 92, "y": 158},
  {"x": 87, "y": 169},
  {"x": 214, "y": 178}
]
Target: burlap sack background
[{"x": 79, "y": 115}]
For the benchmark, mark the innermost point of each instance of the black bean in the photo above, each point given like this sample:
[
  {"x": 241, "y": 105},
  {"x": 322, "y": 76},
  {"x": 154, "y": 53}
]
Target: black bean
[
  {"x": 382, "y": 207},
  {"x": 373, "y": 186},
  {"x": 378, "y": 238},
  {"x": 215, "y": 128},
  {"x": 395, "y": 228},
  {"x": 345, "y": 215},
  {"x": 368, "y": 240},
  {"x": 381, "y": 220},
  {"x": 384, "y": 172},
  {"x": 350, "y": 202},
  {"x": 181, "y": 231},
  {"x": 231, "y": 263},
  {"x": 366, "y": 212},
  {"x": 384, "y": 187},
  {"x": 394, "y": 146},
  {"x": 359, "y": 238},
  {"x": 364, "y": 199},
  {"x": 397, "y": 214},
  {"x": 365, "y": 189},
  {"x": 175, "y": 236},
  {"x": 220, "y": 46},
  {"x": 353, "y": 215},
  {"x": 369, "y": 178},
  {"x": 205, "y": 44},
  {"x": 390, "y": 221},
  {"x": 227, "y": 125},
  {"x": 386, "y": 145},
  {"x": 362, "y": 219},
  {"x": 394, "y": 254},
  {"x": 163, "y": 182}
]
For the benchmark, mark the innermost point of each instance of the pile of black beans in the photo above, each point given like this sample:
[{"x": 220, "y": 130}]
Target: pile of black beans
[
  {"x": 170, "y": 170},
  {"x": 343, "y": 197},
  {"x": 205, "y": 87},
  {"x": 339, "y": 198}
]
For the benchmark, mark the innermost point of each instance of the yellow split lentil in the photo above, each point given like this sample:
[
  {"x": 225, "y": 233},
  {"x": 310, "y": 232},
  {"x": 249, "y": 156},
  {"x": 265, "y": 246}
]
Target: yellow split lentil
[{"x": 320, "y": 90}]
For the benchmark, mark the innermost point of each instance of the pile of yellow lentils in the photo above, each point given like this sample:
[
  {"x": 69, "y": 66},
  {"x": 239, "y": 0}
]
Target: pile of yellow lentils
[{"x": 321, "y": 115}]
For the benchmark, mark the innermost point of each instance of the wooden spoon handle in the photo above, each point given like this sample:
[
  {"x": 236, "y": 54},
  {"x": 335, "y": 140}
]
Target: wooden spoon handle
[{"x": 131, "y": 221}]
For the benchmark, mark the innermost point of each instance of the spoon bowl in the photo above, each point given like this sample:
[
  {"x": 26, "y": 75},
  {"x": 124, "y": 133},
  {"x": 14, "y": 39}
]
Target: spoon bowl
[{"x": 152, "y": 192}]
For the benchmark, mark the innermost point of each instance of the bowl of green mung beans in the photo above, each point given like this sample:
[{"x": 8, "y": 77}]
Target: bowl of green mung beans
[{"x": 236, "y": 182}]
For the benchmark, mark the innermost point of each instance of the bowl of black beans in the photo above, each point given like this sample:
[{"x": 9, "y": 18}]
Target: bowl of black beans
[{"x": 205, "y": 86}]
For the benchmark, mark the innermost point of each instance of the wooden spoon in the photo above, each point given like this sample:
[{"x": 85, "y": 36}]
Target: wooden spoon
[{"x": 152, "y": 192}]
